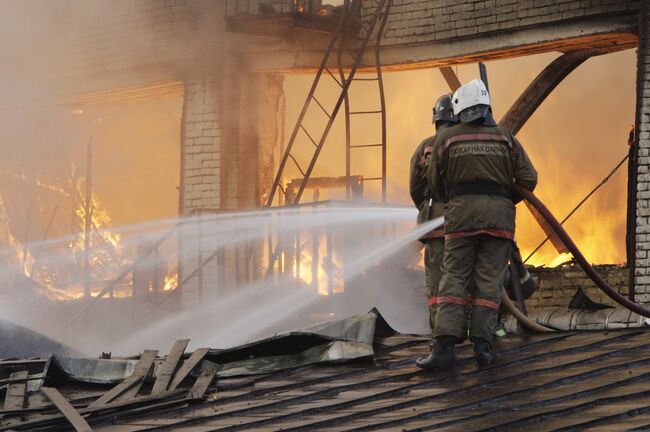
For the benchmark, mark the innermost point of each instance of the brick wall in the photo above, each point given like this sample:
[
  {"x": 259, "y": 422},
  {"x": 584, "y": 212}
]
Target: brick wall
[
  {"x": 126, "y": 44},
  {"x": 106, "y": 45},
  {"x": 416, "y": 21},
  {"x": 130, "y": 32},
  {"x": 642, "y": 262},
  {"x": 558, "y": 285},
  {"x": 433, "y": 33}
]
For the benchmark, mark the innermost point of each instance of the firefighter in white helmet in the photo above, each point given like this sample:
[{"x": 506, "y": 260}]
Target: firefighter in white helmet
[{"x": 474, "y": 166}]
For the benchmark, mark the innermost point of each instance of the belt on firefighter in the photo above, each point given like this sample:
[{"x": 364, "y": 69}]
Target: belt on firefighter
[
  {"x": 480, "y": 188},
  {"x": 494, "y": 232}
]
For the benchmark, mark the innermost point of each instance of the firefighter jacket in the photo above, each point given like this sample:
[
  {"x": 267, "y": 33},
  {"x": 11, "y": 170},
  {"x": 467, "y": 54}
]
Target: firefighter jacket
[
  {"x": 419, "y": 188},
  {"x": 472, "y": 170}
]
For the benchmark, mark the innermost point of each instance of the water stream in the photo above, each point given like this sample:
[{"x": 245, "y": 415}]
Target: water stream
[{"x": 352, "y": 258}]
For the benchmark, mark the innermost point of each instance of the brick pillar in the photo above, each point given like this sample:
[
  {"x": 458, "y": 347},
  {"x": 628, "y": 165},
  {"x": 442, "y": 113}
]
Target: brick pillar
[
  {"x": 201, "y": 143},
  {"x": 202, "y": 137},
  {"x": 202, "y": 150},
  {"x": 642, "y": 261},
  {"x": 232, "y": 131}
]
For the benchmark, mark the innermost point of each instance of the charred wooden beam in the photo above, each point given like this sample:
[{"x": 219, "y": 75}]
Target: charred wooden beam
[
  {"x": 187, "y": 367},
  {"x": 130, "y": 386},
  {"x": 71, "y": 414},
  {"x": 450, "y": 77},
  {"x": 483, "y": 73},
  {"x": 540, "y": 88},
  {"x": 15, "y": 397},
  {"x": 169, "y": 366},
  {"x": 201, "y": 385},
  {"x": 112, "y": 410}
]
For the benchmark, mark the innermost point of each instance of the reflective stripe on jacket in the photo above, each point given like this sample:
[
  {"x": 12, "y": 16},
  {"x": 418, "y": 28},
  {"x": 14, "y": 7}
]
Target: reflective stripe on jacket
[{"x": 472, "y": 153}]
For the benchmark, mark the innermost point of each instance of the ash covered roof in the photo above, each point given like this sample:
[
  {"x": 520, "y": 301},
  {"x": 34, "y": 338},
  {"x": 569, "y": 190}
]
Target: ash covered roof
[{"x": 557, "y": 381}]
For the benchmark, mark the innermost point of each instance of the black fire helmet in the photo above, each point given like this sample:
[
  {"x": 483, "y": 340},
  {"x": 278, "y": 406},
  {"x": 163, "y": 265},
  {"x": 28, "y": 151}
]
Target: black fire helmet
[{"x": 443, "y": 112}]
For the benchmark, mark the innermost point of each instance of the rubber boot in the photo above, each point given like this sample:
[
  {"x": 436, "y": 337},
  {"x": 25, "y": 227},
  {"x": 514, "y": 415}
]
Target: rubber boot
[
  {"x": 482, "y": 353},
  {"x": 442, "y": 355}
]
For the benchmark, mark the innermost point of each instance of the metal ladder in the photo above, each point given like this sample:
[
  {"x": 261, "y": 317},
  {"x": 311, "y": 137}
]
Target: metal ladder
[{"x": 342, "y": 42}]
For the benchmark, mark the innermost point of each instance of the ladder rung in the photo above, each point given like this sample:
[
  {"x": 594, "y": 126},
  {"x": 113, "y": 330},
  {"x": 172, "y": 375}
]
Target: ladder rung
[
  {"x": 366, "y": 145},
  {"x": 321, "y": 107},
  {"x": 308, "y": 136},
  {"x": 333, "y": 77},
  {"x": 297, "y": 165},
  {"x": 368, "y": 29}
]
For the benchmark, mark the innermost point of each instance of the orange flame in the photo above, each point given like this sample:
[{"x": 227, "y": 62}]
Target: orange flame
[
  {"x": 171, "y": 282},
  {"x": 106, "y": 261},
  {"x": 322, "y": 273}
]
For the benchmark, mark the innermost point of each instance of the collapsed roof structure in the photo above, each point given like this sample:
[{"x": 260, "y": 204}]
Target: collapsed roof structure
[{"x": 352, "y": 374}]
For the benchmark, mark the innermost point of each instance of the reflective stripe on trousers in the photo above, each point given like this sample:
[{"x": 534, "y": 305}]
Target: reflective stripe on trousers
[{"x": 459, "y": 301}]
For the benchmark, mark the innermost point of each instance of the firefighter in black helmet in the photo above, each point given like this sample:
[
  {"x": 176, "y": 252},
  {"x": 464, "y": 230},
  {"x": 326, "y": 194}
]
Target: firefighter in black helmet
[{"x": 429, "y": 208}]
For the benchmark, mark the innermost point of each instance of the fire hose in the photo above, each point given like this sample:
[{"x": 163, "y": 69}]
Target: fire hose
[
  {"x": 523, "y": 319},
  {"x": 580, "y": 259}
]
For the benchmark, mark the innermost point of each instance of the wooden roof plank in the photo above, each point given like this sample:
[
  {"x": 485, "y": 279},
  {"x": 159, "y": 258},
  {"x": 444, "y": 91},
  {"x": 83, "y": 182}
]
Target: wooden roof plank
[
  {"x": 537, "y": 377},
  {"x": 290, "y": 413},
  {"x": 521, "y": 354},
  {"x": 168, "y": 367},
  {"x": 72, "y": 415},
  {"x": 202, "y": 384},
  {"x": 129, "y": 387},
  {"x": 187, "y": 367},
  {"x": 138, "y": 405},
  {"x": 15, "y": 395}
]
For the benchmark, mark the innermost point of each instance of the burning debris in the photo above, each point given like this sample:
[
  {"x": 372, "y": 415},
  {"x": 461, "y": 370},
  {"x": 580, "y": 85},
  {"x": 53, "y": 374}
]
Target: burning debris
[{"x": 54, "y": 269}]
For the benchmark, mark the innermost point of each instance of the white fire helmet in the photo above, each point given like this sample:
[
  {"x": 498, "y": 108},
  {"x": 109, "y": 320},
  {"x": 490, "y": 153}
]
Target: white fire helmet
[{"x": 471, "y": 94}]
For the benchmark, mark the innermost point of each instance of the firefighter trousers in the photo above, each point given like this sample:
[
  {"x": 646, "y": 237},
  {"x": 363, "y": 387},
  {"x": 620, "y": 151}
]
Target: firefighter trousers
[
  {"x": 478, "y": 262},
  {"x": 434, "y": 249}
]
